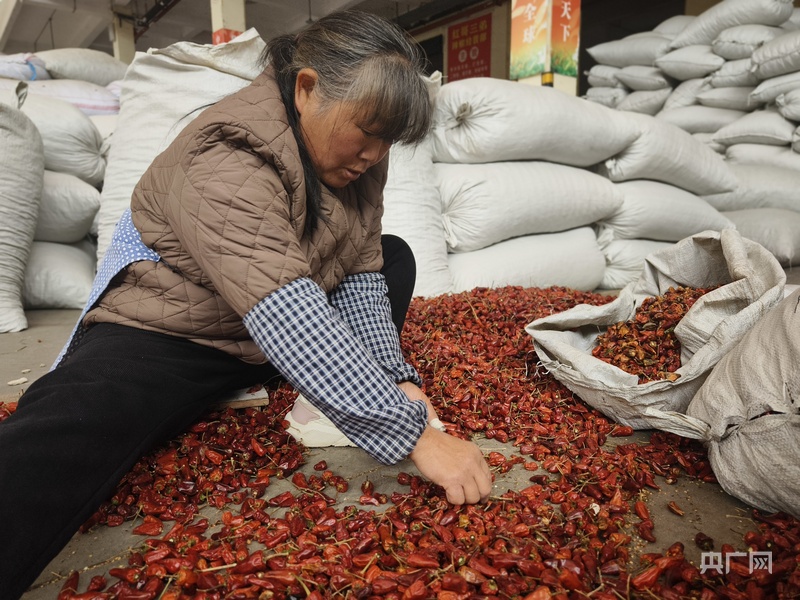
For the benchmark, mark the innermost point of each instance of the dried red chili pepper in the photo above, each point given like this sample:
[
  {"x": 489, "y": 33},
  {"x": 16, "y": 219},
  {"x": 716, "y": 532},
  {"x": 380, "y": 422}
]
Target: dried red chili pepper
[
  {"x": 70, "y": 586},
  {"x": 646, "y": 345},
  {"x": 673, "y": 507},
  {"x": 703, "y": 541},
  {"x": 641, "y": 510}
]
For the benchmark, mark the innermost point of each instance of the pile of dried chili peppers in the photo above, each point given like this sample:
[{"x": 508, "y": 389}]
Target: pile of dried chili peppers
[
  {"x": 646, "y": 345},
  {"x": 566, "y": 535}
]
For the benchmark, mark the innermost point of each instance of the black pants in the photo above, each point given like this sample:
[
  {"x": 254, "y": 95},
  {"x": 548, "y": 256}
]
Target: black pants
[{"x": 80, "y": 428}]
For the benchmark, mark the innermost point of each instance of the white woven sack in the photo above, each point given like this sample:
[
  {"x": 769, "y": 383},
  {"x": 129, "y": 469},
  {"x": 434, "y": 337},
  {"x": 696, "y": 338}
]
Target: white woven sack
[
  {"x": 793, "y": 22},
  {"x": 735, "y": 73},
  {"x": 751, "y": 283},
  {"x": 486, "y": 204},
  {"x": 769, "y": 89},
  {"x": 606, "y": 96},
  {"x": 568, "y": 258},
  {"x": 71, "y": 142},
  {"x": 645, "y": 102},
  {"x": 413, "y": 211},
  {"x": 106, "y": 124},
  {"x": 89, "y": 98},
  {"x": 733, "y": 98},
  {"x": 763, "y": 155},
  {"x": 483, "y": 119},
  {"x": 739, "y": 42},
  {"x": 729, "y": 13},
  {"x": 690, "y": 62},
  {"x": 22, "y": 157},
  {"x": 668, "y": 154},
  {"x": 625, "y": 259},
  {"x": 658, "y": 211},
  {"x": 750, "y": 404},
  {"x": 163, "y": 90},
  {"x": 68, "y": 208},
  {"x": 700, "y": 119},
  {"x": 636, "y": 50},
  {"x": 83, "y": 64},
  {"x": 639, "y": 78},
  {"x": 59, "y": 275},
  {"x": 778, "y": 56},
  {"x": 674, "y": 25},
  {"x": 788, "y": 105},
  {"x": 603, "y": 76},
  {"x": 760, "y": 127},
  {"x": 760, "y": 186},
  {"x": 23, "y": 66},
  {"x": 777, "y": 229},
  {"x": 708, "y": 140},
  {"x": 686, "y": 92}
]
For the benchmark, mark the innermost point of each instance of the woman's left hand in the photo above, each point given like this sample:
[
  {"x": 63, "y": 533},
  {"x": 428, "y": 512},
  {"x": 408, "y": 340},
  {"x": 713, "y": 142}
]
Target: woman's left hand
[{"x": 413, "y": 392}]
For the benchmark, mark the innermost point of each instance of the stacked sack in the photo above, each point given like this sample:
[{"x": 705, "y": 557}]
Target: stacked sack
[
  {"x": 509, "y": 198},
  {"x": 22, "y": 156},
  {"x": 626, "y": 77},
  {"x": 661, "y": 176},
  {"x": 534, "y": 187},
  {"x": 764, "y": 146},
  {"x": 65, "y": 91},
  {"x": 733, "y": 73},
  {"x": 664, "y": 173}
]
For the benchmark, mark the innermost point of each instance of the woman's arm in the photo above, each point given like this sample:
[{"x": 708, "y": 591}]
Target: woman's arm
[
  {"x": 363, "y": 304},
  {"x": 316, "y": 351}
]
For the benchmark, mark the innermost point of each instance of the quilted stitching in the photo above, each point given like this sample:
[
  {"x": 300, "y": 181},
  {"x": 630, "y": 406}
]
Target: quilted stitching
[{"x": 224, "y": 207}]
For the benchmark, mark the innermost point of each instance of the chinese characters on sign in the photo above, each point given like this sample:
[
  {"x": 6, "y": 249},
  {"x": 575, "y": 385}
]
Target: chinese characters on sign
[
  {"x": 469, "y": 48},
  {"x": 545, "y": 37},
  {"x": 712, "y": 561},
  {"x": 566, "y": 37},
  {"x": 530, "y": 22}
]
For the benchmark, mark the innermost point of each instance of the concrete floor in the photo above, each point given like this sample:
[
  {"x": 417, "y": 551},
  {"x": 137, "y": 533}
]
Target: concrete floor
[{"x": 29, "y": 354}]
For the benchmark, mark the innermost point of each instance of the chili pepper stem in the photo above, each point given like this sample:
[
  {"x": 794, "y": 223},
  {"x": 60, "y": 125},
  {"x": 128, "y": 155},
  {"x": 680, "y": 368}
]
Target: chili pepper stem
[
  {"x": 166, "y": 587},
  {"x": 218, "y": 568},
  {"x": 303, "y": 584},
  {"x": 369, "y": 564}
]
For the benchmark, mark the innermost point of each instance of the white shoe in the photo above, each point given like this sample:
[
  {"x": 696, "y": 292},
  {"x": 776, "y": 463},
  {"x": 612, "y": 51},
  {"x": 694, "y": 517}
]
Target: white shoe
[{"x": 311, "y": 428}]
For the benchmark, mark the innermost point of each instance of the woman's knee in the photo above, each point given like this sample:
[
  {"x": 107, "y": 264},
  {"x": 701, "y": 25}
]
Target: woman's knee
[{"x": 398, "y": 254}]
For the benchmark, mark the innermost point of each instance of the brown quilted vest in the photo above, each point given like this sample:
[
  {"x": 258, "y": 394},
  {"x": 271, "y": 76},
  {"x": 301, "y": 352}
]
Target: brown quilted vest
[{"x": 224, "y": 207}]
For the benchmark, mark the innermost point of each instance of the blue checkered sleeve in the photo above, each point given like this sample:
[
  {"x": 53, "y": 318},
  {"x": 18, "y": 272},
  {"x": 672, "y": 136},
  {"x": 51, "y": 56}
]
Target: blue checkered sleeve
[
  {"x": 303, "y": 336},
  {"x": 364, "y": 306}
]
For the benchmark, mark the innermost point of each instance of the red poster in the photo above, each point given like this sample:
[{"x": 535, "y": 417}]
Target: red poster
[{"x": 469, "y": 48}]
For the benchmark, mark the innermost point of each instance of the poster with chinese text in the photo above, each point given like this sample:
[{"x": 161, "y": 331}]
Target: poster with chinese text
[
  {"x": 469, "y": 48},
  {"x": 530, "y": 38},
  {"x": 566, "y": 37}
]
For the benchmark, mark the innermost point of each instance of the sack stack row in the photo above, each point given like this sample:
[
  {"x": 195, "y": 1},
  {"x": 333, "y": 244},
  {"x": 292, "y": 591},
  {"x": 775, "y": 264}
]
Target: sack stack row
[
  {"x": 515, "y": 185},
  {"x": 534, "y": 187},
  {"x": 508, "y": 197},
  {"x": 59, "y": 93},
  {"x": 730, "y": 77}
]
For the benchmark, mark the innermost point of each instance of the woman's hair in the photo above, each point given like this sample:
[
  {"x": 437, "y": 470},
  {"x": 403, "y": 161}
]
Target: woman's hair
[{"x": 362, "y": 60}]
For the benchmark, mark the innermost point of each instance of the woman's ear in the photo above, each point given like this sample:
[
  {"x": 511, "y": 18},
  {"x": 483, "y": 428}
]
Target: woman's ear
[{"x": 304, "y": 87}]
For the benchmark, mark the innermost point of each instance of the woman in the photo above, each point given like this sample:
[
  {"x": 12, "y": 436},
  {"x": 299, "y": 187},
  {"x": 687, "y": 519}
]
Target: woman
[{"x": 252, "y": 248}]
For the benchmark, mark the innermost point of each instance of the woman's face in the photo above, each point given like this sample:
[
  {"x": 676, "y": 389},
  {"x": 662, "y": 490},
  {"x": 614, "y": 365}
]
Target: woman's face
[{"x": 340, "y": 148}]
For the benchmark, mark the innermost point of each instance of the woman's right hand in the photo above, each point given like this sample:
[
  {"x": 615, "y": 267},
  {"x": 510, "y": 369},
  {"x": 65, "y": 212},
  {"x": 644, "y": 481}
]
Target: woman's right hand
[{"x": 455, "y": 464}]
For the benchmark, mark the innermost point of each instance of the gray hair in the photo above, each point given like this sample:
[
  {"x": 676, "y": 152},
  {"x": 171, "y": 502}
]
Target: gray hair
[{"x": 363, "y": 60}]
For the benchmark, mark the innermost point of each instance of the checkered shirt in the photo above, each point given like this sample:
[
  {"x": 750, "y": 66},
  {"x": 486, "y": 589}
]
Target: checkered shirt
[
  {"x": 326, "y": 352},
  {"x": 342, "y": 352}
]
